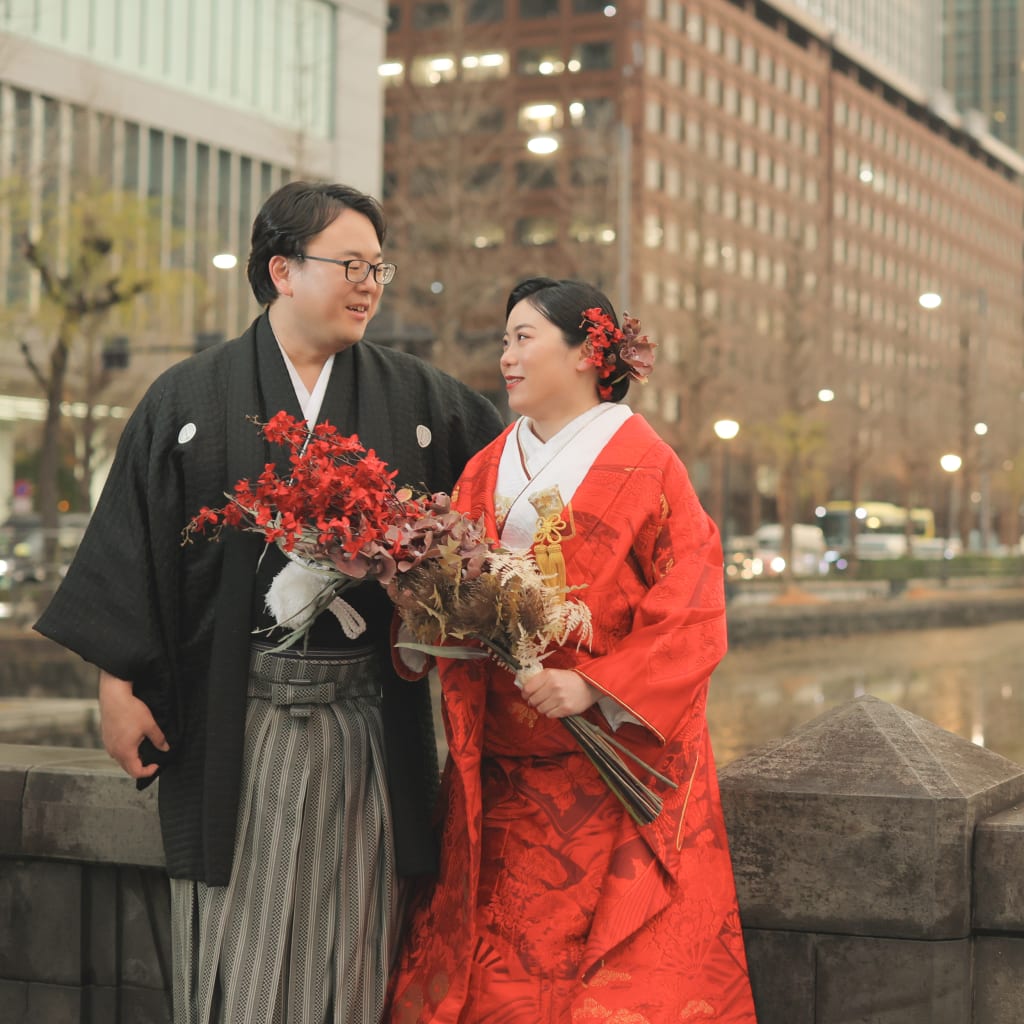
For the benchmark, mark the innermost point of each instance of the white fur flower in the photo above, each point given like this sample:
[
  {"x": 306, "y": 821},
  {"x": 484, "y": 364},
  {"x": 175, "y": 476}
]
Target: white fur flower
[
  {"x": 292, "y": 597},
  {"x": 298, "y": 595}
]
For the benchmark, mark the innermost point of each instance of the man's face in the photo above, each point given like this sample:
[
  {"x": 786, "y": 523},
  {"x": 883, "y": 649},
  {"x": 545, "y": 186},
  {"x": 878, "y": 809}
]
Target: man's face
[{"x": 331, "y": 311}]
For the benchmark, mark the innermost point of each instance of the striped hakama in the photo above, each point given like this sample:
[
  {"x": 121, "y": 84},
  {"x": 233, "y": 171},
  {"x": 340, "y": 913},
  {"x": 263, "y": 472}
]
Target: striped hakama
[{"x": 304, "y": 931}]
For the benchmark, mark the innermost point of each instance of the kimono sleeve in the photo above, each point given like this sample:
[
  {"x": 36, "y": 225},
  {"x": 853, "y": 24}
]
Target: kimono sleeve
[
  {"x": 659, "y": 667},
  {"x": 108, "y": 607}
]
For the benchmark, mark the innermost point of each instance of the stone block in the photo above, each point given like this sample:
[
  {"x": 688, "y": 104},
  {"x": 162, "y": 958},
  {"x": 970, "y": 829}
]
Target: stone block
[
  {"x": 15, "y": 763},
  {"x": 781, "y": 976},
  {"x": 100, "y": 926},
  {"x": 892, "y": 981},
  {"x": 145, "y": 901},
  {"x": 998, "y": 880},
  {"x": 998, "y": 984},
  {"x": 26, "y": 1002},
  {"x": 86, "y": 808},
  {"x": 861, "y": 823},
  {"x": 41, "y": 907}
]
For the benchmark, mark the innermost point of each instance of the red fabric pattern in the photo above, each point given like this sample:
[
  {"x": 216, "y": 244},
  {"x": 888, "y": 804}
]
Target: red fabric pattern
[{"x": 552, "y": 906}]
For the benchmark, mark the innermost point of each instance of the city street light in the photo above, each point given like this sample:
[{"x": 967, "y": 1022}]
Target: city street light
[
  {"x": 984, "y": 506},
  {"x": 951, "y": 464},
  {"x": 930, "y": 300},
  {"x": 725, "y": 430},
  {"x": 225, "y": 261}
]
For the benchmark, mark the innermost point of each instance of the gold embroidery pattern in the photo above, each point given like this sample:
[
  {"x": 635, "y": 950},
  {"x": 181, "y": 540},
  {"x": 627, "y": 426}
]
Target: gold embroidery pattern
[{"x": 548, "y": 537}]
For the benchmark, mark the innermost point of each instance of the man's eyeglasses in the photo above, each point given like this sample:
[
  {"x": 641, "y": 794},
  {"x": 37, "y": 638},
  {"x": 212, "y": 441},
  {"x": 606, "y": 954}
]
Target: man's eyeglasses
[{"x": 357, "y": 271}]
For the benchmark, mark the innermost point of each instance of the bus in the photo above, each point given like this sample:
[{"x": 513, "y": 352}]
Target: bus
[{"x": 882, "y": 529}]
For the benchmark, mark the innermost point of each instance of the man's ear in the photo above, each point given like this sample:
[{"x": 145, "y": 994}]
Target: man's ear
[{"x": 280, "y": 268}]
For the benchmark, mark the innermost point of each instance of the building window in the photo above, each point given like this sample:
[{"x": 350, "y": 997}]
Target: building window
[
  {"x": 588, "y": 171},
  {"x": 486, "y": 236},
  {"x": 429, "y": 124},
  {"x": 535, "y": 174},
  {"x": 491, "y": 121},
  {"x": 591, "y": 231},
  {"x": 483, "y": 176},
  {"x": 433, "y": 70},
  {"x": 597, "y": 113},
  {"x": 477, "y": 67},
  {"x": 538, "y": 9},
  {"x": 540, "y": 117},
  {"x": 485, "y": 12},
  {"x": 536, "y": 231},
  {"x": 431, "y": 14},
  {"x": 597, "y": 56},
  {"x": 536, "y": 60}
]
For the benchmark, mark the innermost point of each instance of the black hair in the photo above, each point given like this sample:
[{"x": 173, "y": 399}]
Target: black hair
[
  {"x": 563, "y": 303},
  {"x": 293, "y": 215}
]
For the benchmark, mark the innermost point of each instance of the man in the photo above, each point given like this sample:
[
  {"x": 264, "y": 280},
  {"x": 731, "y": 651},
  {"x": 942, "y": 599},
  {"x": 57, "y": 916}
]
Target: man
[{"x": 293, "y": 786}]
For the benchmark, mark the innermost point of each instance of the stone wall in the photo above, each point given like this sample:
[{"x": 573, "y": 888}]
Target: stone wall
[{"x": 877, "y": 861}]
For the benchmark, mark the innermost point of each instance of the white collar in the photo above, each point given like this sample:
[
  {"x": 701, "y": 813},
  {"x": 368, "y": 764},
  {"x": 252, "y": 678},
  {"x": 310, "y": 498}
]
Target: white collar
[
  {"x": 529, "y": 465},
  {"x": 309, "y": 401}
]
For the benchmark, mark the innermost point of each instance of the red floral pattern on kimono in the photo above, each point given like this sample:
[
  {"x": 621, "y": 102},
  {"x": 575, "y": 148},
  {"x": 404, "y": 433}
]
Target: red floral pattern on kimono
[{"x": 552, "y": 906}]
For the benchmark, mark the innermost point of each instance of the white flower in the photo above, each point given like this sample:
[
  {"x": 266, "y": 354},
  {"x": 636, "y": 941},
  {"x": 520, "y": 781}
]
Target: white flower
[
  {"x": 293, "y": 597},
  {"x": 300, "y": 593}
]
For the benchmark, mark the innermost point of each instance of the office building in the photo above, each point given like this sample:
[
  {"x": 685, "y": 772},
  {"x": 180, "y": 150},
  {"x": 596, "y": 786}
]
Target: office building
[
  {"x": 770, "y": 204},
  {"x": 202, "y": 109},
  {"x": 983, "y": 63}
]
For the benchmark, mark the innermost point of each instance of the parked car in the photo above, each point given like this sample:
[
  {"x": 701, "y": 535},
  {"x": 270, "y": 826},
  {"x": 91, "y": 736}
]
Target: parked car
[
  {"x": 23, "y": 548},
  {"x": 808, "y": 550}
]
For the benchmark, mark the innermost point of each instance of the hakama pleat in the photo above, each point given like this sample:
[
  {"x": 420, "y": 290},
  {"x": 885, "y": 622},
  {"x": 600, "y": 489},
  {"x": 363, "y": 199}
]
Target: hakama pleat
[{"x": 304, "y": 931}]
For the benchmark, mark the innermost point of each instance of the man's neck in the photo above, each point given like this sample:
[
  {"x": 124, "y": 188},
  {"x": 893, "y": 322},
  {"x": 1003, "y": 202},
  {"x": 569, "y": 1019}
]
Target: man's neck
[{"x": 308, "y": 359}]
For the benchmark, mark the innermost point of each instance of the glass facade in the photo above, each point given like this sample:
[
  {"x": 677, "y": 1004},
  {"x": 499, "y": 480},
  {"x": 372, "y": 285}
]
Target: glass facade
[
  {"x": 273, "y": 57},
  {"x": 204, "y": 198}
]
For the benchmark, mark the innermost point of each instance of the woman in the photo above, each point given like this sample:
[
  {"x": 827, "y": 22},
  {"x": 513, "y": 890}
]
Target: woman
[{"x": 552, "y": 905}]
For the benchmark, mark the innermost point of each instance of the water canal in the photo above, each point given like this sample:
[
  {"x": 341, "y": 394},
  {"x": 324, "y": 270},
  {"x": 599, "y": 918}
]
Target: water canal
[{"x": 969, "y": 681}]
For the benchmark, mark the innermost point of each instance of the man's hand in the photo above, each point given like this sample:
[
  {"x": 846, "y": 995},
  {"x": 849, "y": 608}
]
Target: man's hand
[
  {"x": 125, "y": 721},
  {"x": 558, "y": 692}
]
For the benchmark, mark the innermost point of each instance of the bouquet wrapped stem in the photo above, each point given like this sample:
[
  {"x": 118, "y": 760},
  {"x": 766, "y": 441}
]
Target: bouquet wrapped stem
[{"x": 605, "y": 752}]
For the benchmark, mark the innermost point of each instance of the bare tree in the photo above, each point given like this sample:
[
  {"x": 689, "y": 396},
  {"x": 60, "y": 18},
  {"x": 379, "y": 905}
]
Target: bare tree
[{"x": 794, "y": 436}]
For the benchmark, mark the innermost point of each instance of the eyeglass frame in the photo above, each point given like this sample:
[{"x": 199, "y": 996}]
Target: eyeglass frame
[{"x": 371, "y": 268}]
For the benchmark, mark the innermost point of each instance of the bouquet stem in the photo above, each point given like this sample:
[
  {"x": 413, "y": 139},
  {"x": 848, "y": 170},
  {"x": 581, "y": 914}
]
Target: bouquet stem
[{"x": 641, "y": 803}]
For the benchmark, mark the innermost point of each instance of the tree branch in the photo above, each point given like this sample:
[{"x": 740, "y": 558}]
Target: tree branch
[
  {"x": 33, "y": 366},
  {"x": 51, "y": 285}
]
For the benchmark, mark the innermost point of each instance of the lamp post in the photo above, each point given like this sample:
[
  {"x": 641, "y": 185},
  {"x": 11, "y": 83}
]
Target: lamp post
[
  {"x": 725, "y": 430},
  {"x": 951, "y": 464},
  {"x": 984, "y": 507}
]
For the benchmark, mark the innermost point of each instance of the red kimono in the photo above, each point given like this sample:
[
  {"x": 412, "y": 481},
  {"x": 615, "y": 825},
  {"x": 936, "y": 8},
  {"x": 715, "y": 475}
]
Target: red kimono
[{"x": 552, "y": 906}]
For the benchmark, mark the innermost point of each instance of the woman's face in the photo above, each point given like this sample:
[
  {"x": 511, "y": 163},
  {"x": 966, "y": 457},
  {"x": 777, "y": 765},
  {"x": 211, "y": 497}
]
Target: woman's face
[{"x": 546, "y": 379}]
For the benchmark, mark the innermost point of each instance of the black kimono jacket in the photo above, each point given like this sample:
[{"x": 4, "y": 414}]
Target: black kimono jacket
[{"x": 176, "y": 618}]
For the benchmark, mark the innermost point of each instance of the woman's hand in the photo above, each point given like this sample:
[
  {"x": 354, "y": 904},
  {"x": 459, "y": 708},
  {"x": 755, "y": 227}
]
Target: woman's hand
[
  {"x": 125, "y": 721},
  {"x": 558, "y": 692}
]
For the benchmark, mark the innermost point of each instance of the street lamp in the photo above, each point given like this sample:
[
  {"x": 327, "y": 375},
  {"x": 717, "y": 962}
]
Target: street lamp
[
  {"x": 930, "y": 300},
  {"x": 725, "y": 430},
  {"x": 984, "y": 507},
  {"x": 951, "y": 464}
]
